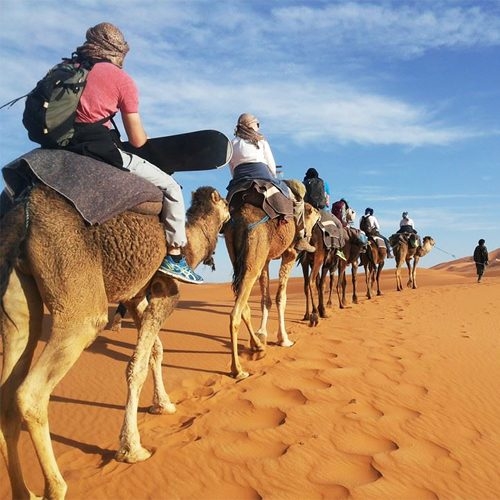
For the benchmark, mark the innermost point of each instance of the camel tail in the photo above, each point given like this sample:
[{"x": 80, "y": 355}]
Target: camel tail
[
  {"x": 13, "y": 229},
  {"x": 240, "y": 251}
]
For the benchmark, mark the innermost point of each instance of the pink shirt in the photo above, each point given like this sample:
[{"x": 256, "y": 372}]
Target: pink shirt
[{"x": 109, "y": 89}]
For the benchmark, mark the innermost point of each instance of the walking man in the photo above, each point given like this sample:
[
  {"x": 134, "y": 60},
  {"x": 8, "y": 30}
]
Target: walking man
[{"x": 480, "y": 258}]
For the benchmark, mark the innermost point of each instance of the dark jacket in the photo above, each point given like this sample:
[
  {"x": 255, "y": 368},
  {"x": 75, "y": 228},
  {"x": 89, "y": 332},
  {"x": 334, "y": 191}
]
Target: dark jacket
[{"x": 481, "y": 255}]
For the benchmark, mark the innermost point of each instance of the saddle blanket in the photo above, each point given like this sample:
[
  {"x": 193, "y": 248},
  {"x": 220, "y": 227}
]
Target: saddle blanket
[
  {"x": 262, "y": 194},
  {"x": 412, "y": 239},
  {"x": 97, "y": 190},
  {"x": 333, "y": 231},
  {"x": 379, "y": 241}
]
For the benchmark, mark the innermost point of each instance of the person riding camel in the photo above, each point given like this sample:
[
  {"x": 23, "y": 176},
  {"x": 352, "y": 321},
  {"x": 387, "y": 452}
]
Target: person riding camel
[
  {"x": 406, "y": 225},
  {"x": 110, "y": 89},
  {"x": 252, "y": 158},
  {"x": 369, "y": 224}
]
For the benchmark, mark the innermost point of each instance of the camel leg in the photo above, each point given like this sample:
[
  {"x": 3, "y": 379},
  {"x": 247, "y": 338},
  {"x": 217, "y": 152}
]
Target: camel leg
[
  {"x": 305, "y": 274},
  {"x": 163, "y": 299},
  {"x": 341, "y": 284},
  {"x": 330, "y": 287},
  {"x": 21, "y": 315},
  {"x": 235, "y": 317},
  {"x": 161, "y": 401},
  {"x": 354, "y": 273},
  {"x": 287, "y": 261},
  {"x": 257, "y": 341},
  {"x": 399, "y": 286},
  {"x": 410, "y": 275},
  {"x": 414, "y": 272},
  {"x": 265, "y": 307},
  {"x": 71, "y": 333},
  {"x": 379, "y": 271},
  {"x": 367, "y": 269},
  {"x": 314, "y": 286},
  {"x": 321, "y": 292}
]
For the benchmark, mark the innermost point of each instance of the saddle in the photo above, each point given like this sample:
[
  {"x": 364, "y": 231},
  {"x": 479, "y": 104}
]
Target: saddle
[
  {"x": 262, "y": 194},
  {"x": 97, "y": 190},
  {"x": 411, "y": 238},
  {"x": 333, "y": 233},
  {"x": 379, "y": 242}
]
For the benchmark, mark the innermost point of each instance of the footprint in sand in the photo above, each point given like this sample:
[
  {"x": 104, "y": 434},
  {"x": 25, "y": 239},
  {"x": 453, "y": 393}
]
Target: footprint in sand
[
  {"x": 272, "y": 396},
  {"x": 241, "y": 415},
  {"x": 354, "y": 439},
  {"x": 359, "y": 410}
]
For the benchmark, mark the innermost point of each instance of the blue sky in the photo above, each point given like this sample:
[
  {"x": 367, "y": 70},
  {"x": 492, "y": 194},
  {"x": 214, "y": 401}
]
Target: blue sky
[{"x": 395, "y": 103}]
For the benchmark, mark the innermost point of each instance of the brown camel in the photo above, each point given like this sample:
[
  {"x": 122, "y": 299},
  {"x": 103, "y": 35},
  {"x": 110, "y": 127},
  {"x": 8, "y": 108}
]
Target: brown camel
[
  {"x": 317, "y": 265},
  {"x": 352, "y": 250},
  {"x": 50, "y": 257},
  {"x": 252, "y": 241},
  {"x": 315, "y": 268},
  {"x": 373, "y": 260},
  {"x": 404, "y": 252}
]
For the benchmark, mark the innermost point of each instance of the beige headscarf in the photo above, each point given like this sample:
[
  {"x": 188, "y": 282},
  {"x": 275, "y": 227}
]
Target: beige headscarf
[
  {"x": 245, "y": 131},
  {"x": 104, "y": 41}
]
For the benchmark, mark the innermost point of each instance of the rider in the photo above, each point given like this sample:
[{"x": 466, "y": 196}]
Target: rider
[
  {"x": 369, "y": 224},
  {"x": 406, "y": 225},
  {"x": 253, "y": 158},
  {"x": 110, "y": 89}
]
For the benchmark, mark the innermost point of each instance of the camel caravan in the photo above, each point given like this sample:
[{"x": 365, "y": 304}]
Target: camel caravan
[{"x": 74, "y": 256}]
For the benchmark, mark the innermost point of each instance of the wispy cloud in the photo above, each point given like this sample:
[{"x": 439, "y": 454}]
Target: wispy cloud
[
  {"x": 392, "y": 28},
  {"x": 205, "y": 62}
]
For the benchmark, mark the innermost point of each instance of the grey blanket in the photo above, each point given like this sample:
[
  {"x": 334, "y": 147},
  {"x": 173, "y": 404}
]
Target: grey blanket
[{"x": 97, "y": 190}]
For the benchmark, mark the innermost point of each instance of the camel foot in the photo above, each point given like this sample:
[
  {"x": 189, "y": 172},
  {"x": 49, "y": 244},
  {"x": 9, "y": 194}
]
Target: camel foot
[
  {"x": 128, "y": 456},
  {"x": 286, "y": 343},
  {"x": 240, "y": 375},
  {"x": 262, "y": 337},
  {"x": 379, "y": 293},
  {"x": 116, "y": 325},
  {"x": 165, "y": 409},
  {"x": 306, "y": 317},
  {"x": 256, "y": 355}
]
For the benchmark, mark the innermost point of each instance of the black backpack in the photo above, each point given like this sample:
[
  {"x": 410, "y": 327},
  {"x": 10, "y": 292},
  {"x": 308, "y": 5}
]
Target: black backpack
[
  {"x": 315, "y": 192},
  {"x": 50, "y": 108}
]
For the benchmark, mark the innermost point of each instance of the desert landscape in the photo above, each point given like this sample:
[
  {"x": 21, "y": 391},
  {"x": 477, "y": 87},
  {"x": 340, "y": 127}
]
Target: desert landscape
[{"x": 395, "y": 397}]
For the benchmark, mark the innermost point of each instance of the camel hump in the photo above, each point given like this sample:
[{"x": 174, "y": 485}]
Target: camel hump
[
  {"x": 148, "y": 208},
  {"x": 98, "y": 191}
]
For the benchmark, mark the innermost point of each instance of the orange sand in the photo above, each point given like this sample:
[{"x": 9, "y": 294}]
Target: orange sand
[{"x": 396, "y": 397}]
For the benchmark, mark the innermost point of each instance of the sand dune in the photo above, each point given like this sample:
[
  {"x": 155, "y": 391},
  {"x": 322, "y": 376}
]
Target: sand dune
[{"x": 396, "y": 397}]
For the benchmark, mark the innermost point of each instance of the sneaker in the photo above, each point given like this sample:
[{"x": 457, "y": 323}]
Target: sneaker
[
  {"x": 302, "y": 245},
  {"x": 341, "y": 255},
  {"x": 179, "y": 270}
]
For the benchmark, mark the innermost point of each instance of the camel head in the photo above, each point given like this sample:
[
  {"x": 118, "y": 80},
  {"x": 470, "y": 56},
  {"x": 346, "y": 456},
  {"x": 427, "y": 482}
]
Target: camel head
[
  {"x": 207, "y": 200},
  {"x": 427, "y": 245}
]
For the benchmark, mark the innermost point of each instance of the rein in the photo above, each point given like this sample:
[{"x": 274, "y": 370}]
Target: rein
[{"x": 261, "y": 221}]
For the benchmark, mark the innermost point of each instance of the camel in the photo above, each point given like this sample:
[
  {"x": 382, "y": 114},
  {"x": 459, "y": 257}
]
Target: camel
[
  {"x": 50, "y": 257},
  {"x": 322, "y": 262},
  {"x": 373, "y": 260},
  {"x": 252, "y": 241},
  {"x": 403, "y": 252},
  {"x": 315, "y": 267},
  {"x": 352, "y": 250}
]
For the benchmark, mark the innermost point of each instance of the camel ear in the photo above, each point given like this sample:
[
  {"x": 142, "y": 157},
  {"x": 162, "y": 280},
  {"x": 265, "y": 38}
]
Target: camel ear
[{"x": 215, "y": 196}]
